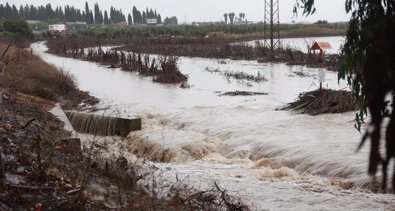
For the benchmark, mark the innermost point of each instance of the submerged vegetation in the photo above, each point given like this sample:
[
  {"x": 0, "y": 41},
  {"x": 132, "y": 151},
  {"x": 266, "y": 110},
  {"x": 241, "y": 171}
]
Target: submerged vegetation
[
  {"x": 242, "y": 93},
  {"x": 245, "y": 76},
  {"x": 239, "y": 75},
  {"x": 211, "y": 47},
  {"x": 163, "y": 69}
]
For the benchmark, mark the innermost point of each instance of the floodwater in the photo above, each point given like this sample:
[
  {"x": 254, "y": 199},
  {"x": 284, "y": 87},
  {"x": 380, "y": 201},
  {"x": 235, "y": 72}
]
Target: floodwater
[
  {"x": 304, "y": 44},
  {"x": 275, "y": 160}
]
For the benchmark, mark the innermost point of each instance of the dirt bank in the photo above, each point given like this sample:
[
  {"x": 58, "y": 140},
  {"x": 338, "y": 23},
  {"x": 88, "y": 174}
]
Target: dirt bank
[
  {"x": 42, "y": 165},
  {"x": 27, "y": 73}
]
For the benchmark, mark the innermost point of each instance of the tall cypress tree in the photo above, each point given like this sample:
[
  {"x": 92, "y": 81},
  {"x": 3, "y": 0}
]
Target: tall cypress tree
[
  {"x": 106, "y": 20},
  {"x": 87, "y": 13},
  {"x": 130, "y": 21}
]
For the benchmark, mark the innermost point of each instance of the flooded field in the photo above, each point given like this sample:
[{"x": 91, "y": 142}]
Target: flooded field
[
  {"x": 303, "y": 44},
  {"x": 275, "y": 160}
]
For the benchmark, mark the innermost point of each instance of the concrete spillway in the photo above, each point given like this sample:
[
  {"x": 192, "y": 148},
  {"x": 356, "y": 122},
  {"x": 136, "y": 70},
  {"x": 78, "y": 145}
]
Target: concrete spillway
[{"x": 103, "y": 125}]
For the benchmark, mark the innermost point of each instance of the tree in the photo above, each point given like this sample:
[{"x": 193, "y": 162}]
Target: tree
[
  {"x": 367, "y": 63},
  {"x": 144, "y": 17},
  {"x": 87, "y": 12},
  {"x": 137, "y": 17},
  {"x": 172, "y": 21},
  {"x": 241, "y": 17},
  {"x": 226, "y": 18},
  {"x": 232, "y": 17},
  {"x": 130, "y": 22},
  {"x": 98, "y": 15},
  {"x": 106, "y": 21},
  {"x": 21, "y": 12}
]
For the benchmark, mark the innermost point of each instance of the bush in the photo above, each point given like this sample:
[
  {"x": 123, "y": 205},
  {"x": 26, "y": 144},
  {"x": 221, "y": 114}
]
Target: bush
[{"x": 17, "y": 29}]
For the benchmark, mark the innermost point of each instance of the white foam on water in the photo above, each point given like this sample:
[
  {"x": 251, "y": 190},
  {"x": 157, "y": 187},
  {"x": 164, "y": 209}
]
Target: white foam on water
[{"x": 170, "y": 145}]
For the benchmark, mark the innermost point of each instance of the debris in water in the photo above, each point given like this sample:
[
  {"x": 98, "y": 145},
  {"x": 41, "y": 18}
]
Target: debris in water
[
  {"x": 245, "y": 76},
  {"x": 212, "y": 70},
  {"x": 242, "y": 93},
  {"x": 324, "y": 101},
  {"x": 301, "y": 74},
  {"x": 214, "y": 199}
]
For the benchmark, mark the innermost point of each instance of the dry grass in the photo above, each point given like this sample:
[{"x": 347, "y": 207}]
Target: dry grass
[{"x": 28, "y": 73}]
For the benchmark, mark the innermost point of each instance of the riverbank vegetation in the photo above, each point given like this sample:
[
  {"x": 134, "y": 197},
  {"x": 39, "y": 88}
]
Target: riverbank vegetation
[
  {"x": 27, "y": 73},
  {"x": 163, "y": 69},
  {"x": 214, "y": 47}
]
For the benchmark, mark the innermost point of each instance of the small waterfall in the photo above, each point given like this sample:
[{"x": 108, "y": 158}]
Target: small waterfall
[{"x": 103, "y": 125}]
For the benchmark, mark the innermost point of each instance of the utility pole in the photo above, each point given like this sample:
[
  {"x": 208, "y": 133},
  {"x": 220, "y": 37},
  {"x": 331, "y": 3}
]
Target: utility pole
[{"x": 272, "y": 24}]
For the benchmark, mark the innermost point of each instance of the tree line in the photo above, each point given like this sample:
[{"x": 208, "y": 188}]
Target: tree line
[
  {"x": 72, "y": 14},
  {"x": 232, "y": 18},
  {"x": 142, "y": 17}
]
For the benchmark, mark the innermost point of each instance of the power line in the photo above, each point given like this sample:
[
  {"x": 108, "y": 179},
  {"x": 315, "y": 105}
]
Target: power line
[{"x": 272, "y": 24}]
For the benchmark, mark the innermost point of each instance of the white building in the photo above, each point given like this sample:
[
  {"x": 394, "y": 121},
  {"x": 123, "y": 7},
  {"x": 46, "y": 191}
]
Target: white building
[
  {"x": 152, "y": 21},
  {"x": 58, "y": 28}
]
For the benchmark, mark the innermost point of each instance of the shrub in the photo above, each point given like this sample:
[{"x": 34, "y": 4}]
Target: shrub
[{"x": 18, "y": 28}]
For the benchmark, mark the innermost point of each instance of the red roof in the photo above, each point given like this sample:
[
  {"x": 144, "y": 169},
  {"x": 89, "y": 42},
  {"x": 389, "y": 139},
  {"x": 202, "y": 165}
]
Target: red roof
[{"x": 321, "y": 46}]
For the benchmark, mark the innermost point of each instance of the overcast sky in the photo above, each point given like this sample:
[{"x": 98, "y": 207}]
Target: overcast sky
[{"x": 207, "y": 10}]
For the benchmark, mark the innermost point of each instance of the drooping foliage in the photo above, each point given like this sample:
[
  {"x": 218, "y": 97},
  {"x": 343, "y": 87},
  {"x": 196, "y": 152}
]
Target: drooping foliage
[{"x": 368, "y": 65}]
